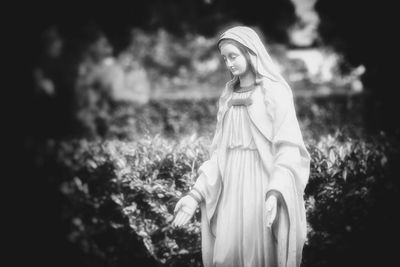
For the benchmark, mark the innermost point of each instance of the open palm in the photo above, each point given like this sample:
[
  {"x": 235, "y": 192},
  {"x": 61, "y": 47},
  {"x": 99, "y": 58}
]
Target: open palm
[{"x": 184, "y": 210}]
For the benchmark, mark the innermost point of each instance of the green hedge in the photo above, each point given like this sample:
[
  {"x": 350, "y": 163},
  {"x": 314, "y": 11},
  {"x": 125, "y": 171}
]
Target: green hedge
[{"x": 119, "y": 195}]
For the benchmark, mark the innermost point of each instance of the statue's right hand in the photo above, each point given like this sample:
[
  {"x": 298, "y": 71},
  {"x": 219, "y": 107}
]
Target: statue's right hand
[{"x": 184, "y": 210}]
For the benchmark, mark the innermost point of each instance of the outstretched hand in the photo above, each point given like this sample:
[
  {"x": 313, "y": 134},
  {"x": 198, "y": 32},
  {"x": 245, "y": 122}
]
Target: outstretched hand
[
  {"x": 184, "y": 210},
  {"x": 271, "y": 206}
]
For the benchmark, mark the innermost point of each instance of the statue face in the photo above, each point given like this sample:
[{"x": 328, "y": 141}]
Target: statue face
[{"x": 234, "y": 59}]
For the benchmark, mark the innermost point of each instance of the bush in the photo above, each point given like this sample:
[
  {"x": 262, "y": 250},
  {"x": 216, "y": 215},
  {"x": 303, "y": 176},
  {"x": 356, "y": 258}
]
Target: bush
[
  {"x": 167, "y": 117},
  {"x": 351, "y": 194},
  {"x": 120, "y": 195}
]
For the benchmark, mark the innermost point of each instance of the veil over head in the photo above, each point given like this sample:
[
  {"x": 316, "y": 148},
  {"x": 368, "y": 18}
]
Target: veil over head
[
  {"x": 265, "y": 69},
  {"x": 259, "y": 57}
]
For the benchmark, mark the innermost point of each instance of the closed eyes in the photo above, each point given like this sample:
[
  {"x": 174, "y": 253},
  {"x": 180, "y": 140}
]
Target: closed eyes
[{"x": 231, "y": 56}]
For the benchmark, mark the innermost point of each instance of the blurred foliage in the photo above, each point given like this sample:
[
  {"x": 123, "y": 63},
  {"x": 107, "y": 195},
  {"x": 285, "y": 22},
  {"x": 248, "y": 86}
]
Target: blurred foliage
[
  {"x": 352, "y": 192},
  {"x": 119, "y": 195},
  {"x": 176, "y": 62},
  {"x": 182, "y": 77},
  {"x": 120, "y": 179},
  {"x": 347, "y": 26},
  {"x": 173, "y": 118},
  {"x": 191, "y": 62}
]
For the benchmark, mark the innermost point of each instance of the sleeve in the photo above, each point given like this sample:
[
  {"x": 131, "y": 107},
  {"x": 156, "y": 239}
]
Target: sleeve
[
  {"x": 208, "y": 182},
  {"x": 291, "y": 158},
  {"x": 290, "y": 171}
]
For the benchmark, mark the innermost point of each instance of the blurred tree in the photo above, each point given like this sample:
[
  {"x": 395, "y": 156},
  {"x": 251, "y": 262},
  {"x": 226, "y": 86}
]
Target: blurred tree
[
  {"x": 363, "y": 31},
  {"x": 206, "y": 17}
]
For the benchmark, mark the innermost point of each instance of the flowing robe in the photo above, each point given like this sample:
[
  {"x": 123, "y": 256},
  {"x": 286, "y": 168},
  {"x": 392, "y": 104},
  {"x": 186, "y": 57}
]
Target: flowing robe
[{"x": 279, "y": 141}]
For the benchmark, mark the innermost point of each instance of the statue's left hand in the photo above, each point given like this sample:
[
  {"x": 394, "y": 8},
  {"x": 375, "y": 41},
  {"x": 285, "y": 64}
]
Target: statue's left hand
[{"x": 271, "y": 208}]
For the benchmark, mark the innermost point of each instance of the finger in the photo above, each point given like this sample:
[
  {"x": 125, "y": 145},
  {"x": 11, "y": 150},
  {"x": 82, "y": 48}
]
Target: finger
[
  {"x": 269, "y": 207},
  {"x": 273, "y": 214},
  {"x": 271, "y": 218},
  {"x": 185, "y": 219},
  {"x": 177, "y": 216},
  {"x": 177, "y": 219},
  {"x": 187, "y": 210},
  {"x": 174, "y": 222},
  {"x": 182, "y": 219},
  {"x": 269, "y": 210},
  {"x": 270, "y": 204},
  {"x": 269, "y": 221},
  {"x": 178, "y": 205}
]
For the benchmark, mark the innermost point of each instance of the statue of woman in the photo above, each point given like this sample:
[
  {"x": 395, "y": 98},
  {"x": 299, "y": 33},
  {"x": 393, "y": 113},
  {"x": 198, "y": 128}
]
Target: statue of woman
[{"x": 251, "y": 189}]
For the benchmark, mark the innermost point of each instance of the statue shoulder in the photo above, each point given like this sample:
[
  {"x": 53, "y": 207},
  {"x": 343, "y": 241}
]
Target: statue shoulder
[
  {"x": 277, "y": 91},
  {"x": 277, "y": 98}
]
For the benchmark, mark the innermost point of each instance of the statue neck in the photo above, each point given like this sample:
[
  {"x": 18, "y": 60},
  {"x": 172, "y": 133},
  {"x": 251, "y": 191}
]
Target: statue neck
[{"x": 247, "y": 79}]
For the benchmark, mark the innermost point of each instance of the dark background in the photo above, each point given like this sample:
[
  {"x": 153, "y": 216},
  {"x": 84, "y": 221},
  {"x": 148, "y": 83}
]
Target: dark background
[{"x": 365, "y": 31}]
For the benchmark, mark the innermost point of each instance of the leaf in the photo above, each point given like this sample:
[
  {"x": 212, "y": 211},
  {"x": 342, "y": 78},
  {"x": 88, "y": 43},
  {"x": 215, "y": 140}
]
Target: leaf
[
  {"x": 342, "y": 153},
  {"x": 344, "y": 174},
  {"x": 183, "y": 251},
  {"x": 384, "y": 160},
  {"x": 130, "y": 209},
  {"x": 117, "y": 199},
  {"x": 332, "y": 155},
  {"x": 92, "y": 164}
]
